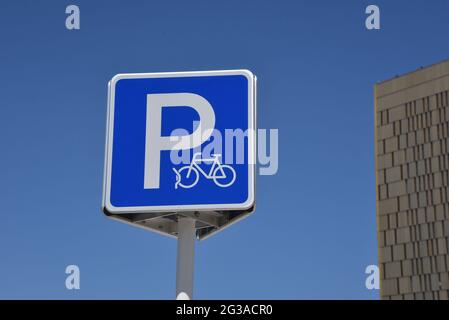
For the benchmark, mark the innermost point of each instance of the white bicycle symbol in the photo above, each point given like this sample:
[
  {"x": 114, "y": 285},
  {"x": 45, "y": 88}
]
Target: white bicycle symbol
[{"x": 222, "y": 174}]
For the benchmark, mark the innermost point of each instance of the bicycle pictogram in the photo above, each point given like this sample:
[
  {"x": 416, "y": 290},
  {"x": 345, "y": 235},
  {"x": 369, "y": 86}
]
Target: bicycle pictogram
[{"x": 222, "y": 174}]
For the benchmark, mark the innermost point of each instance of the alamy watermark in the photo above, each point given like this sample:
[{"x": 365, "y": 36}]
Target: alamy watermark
[
  {"x": 72, "y": 22},
  {"x": 373, "y": 278},
  {"x": 72, "y": 282},
  {"x": 372, "y": 22},
  {"x": 230, "y": 142}
]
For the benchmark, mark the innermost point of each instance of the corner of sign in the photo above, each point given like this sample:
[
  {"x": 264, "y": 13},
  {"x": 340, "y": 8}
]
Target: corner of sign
[
  {"x": 115, "y": 79},
  {"x": 249, "y": 204},
  {"x": 248, "y": 74},
  {"x": 108, "y": 208}
]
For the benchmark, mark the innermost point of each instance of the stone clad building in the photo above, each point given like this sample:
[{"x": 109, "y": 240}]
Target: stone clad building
[{"x": 412, "y": 183}]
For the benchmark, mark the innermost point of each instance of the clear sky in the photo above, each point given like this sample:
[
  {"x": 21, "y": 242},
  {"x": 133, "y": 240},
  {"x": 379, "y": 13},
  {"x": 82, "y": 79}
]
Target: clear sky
[{"x": 314, "y": 230}]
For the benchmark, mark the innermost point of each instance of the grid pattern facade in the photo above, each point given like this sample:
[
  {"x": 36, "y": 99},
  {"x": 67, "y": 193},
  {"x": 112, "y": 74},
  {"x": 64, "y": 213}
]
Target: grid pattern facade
[{"x": 412, "y": 181}]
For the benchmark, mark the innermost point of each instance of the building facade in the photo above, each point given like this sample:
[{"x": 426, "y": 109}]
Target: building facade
[{"x": 412, "y": 183}]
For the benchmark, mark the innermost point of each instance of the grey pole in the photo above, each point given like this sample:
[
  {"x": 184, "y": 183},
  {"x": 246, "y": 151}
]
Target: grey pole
[{"x": 184, "y": 262}]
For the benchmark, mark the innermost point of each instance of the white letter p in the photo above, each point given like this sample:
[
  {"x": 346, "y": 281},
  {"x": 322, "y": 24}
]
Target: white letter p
[{"x": 155, "y": 143}]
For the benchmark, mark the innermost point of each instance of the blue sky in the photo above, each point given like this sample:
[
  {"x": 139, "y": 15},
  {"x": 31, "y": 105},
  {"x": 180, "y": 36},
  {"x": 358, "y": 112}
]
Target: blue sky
[{"x": 314, "y": 231}]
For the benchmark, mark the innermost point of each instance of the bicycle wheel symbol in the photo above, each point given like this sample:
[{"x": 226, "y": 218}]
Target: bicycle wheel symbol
[
  {"x": 224, "y": 176},
  {"x": 183, "y": 174}
]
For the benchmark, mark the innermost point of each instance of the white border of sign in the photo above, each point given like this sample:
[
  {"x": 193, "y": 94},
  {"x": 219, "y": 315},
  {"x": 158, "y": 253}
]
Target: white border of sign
[{"x": 180, "y": 208}]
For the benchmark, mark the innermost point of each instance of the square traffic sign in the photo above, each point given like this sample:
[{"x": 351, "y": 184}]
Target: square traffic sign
[{"x": 180, "y": 142}]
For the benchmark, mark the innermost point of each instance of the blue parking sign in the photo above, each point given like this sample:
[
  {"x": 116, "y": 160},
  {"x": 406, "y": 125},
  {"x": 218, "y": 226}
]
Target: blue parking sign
[{"x": 180, "y": 142}]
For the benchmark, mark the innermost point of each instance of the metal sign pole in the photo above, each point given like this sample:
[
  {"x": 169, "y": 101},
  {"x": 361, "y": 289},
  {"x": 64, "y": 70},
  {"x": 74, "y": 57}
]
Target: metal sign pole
[{"x": 184, "y": 262}]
